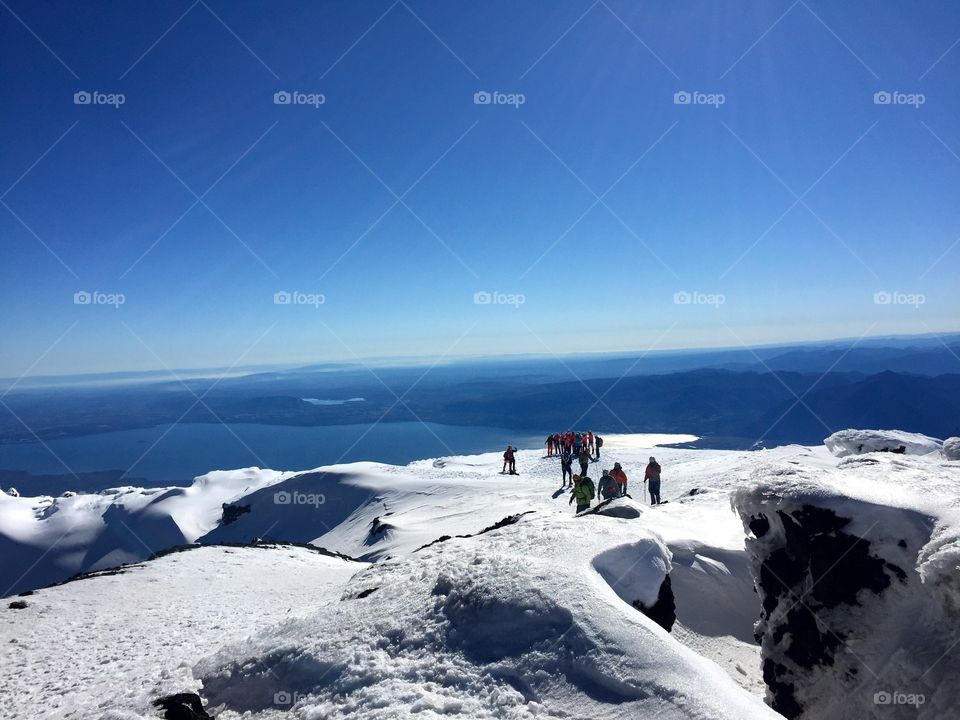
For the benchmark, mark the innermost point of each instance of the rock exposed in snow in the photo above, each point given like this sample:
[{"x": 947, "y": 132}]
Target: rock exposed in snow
[
  {"x": 857, "y": 572},
  {"x": 858, "y": 442}
]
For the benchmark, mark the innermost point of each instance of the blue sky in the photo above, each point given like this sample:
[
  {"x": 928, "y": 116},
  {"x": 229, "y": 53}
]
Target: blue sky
[{"x": 779, "y": 213}]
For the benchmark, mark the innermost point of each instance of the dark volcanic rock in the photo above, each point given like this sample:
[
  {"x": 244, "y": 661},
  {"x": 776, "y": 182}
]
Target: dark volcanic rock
[
  {"x": 663, "y": 611},
  {"x": 232, "y": 513},
  {"x": 182, "y": 706},
  {"x": 812, "y": 566}
]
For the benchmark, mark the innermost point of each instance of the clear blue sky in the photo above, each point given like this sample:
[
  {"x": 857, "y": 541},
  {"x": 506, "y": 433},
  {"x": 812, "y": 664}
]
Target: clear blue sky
[{"x": 504, "y": 198}]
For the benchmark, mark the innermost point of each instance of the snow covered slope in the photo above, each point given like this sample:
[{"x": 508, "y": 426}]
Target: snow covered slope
[
  {"x": 108, "y": 645},
  {"x": 44, "y": 540},
  {"x": 534, "y": 619},
  {"x": 552, "y": 615}
]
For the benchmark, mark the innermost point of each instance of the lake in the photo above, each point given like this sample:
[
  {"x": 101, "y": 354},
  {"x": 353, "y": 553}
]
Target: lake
[{"x": 175, "y": 454}]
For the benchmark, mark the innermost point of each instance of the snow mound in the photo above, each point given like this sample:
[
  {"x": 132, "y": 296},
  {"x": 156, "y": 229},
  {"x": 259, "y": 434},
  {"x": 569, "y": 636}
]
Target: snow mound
[
  {"x": 514, "y": 623},
  {"x": 621, "y": 508},
  {"x": 635, "y": 571},
  {"x": 858, "y": 442},
  {"x": 951, "y": 448}
]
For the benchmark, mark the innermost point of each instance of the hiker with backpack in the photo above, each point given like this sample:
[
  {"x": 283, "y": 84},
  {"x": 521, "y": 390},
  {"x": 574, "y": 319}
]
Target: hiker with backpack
[
  {"x": 597, "y": 443},
  {"x": 566, "y": 465},
  {"x": 549, "y": 445},
  {"x": 584, "y": 460},
  {"x": 608, "y": 487},
  {"x": 621, "y": 477},
  {"x": 652, "y": 476},
  {"x": 509, "y": 460},
  {"x": 583, "y": 492}
]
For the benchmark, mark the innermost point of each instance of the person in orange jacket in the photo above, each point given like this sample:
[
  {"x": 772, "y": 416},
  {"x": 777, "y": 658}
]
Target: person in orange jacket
[{"x": 621, "y": 477}]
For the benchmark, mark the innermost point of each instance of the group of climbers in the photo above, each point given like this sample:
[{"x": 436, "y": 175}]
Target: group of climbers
[
  {"x": 613, "y": 482},
  {"x": 575, "y": 443}
]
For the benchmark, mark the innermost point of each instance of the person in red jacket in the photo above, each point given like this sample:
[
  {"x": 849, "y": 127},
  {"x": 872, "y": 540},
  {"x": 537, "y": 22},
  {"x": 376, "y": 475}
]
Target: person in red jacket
[
  {"x": 652, "y": 476},
  {"x": 621, "y": 477},
  {"x": 509, "y": 460}
]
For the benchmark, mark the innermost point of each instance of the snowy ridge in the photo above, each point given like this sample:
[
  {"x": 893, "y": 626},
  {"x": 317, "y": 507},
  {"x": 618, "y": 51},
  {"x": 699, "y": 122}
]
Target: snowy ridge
[{"x": 44, "y": 539}]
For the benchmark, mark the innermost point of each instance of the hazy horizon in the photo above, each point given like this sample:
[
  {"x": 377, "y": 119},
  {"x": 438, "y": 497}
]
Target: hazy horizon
[{"x": 180, "y": 374}]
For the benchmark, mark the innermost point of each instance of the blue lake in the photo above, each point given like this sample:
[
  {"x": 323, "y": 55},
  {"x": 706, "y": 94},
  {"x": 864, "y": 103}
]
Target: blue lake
[{"x": 175, "y": 454}]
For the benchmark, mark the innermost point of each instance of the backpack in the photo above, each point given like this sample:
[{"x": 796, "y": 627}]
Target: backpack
[
  {"x": 599, "y": 441},
  {"x": 591, "y": 489}
]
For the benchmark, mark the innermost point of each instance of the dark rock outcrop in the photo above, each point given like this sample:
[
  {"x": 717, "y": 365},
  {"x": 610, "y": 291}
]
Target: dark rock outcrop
[
  {"x": 231, "y": 513},
  {"x": 182, "y": 706},
  {"x": 663, "y": 611},
  {"x": 810, "y": 565}
]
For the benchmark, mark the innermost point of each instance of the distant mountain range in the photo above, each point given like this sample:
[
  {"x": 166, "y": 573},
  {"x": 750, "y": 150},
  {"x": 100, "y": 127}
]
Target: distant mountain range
[{"x": 732, "y": 398}]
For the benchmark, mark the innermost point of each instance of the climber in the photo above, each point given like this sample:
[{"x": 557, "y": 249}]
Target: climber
[{"x": 652, "y": 476}]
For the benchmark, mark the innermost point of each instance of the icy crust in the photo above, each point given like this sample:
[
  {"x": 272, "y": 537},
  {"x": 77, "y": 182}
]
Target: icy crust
[
  {"x": 858, "y": 572},
  {"x": 531, "y": 619},
  {"x": 858, "y": 442}
]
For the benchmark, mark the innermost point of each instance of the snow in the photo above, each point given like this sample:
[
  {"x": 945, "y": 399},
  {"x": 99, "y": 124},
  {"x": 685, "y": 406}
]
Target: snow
[
  {"x": 857, "y": 442},
  {"x": 518, "y": 622},
  {"x": 951, "y": 448},
  {"x": 44, "y": 539},
  {"x": 112, "y": 643},
  {"x": 537, "y": 617}
]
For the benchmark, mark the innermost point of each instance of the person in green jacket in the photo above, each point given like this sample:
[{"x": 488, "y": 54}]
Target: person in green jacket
[
  {"x": 582, "y": 492},
  {"x": 584, "y": 458}
]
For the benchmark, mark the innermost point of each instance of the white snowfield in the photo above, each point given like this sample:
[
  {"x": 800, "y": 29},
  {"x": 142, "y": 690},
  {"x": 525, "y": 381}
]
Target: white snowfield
[{"x": 535, "y": 618}]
